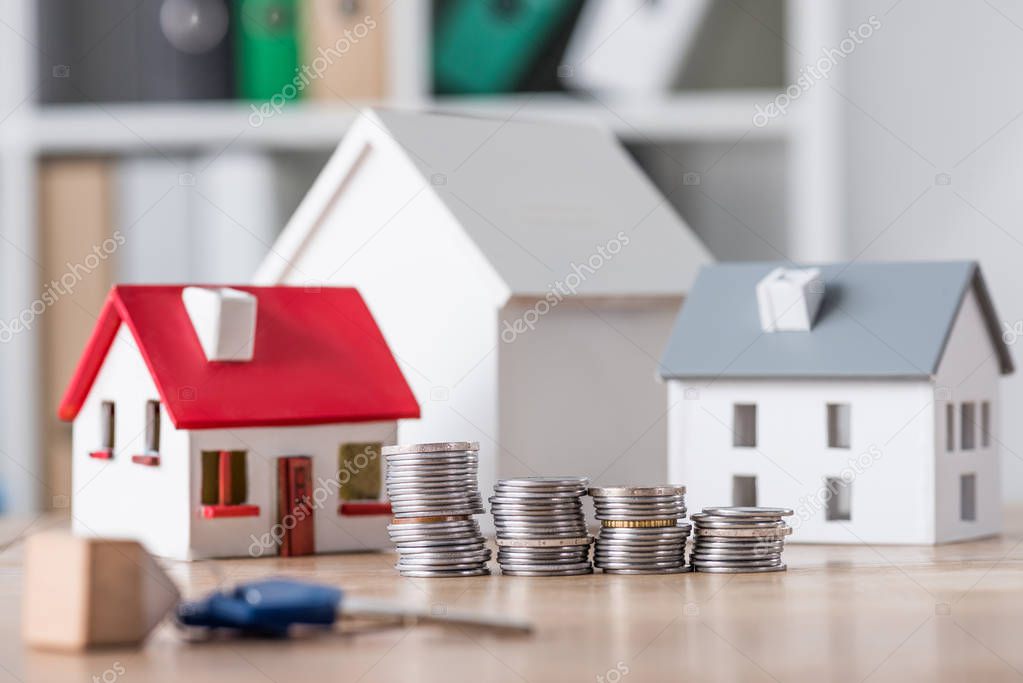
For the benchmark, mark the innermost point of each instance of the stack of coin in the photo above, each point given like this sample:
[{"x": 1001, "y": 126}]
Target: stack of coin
[
  {"x": 642, "y": 529},
  {"x": 541, "y": 529},
  {"x": 733, "y": 540},
  {"x": 434, "y": 493}
]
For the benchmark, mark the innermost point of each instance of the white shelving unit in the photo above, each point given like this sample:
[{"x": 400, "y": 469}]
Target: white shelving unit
[
  {"x": 29, "y": 131},
  {"x": 94, "y": 129}
]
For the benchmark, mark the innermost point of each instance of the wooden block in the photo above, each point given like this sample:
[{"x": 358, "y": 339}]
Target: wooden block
[{"x": 89, "y": 592}]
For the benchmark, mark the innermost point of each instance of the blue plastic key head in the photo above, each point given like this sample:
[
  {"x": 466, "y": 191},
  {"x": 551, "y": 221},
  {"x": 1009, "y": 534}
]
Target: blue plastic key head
[{"x": 264, "y": 608}]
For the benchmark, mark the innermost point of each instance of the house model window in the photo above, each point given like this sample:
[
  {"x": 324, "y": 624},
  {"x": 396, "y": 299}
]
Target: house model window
[
  {"x": 968, "y": 497},
  {"x": 106, "y": 414},
  {"x": 744, "y": 425},
  {"x": 152, "y": 427},
  {"x": 360, "y": 481},
  {"x": 359, "y": 471},
  {"x": 838, "y": 425},
  {"x": 151, "y": 455},
  {"x": 950, "y": 427},
  {"x": 968, "y": 426},
  {"x": 225, "y": 485},
  {"x": 985, "y": 424},
  {"x": 106, "y": 432},
  {"x": 840, "y": 503},
  {"x": 744, "y": 491}
]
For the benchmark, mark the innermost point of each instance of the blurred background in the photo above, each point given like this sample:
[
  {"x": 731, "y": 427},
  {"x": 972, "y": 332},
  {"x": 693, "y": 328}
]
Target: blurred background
[{"x": 170, "y": 140}]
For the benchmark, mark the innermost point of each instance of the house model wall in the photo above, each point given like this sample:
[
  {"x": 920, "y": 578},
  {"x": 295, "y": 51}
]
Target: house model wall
[
  {"x": 877, "y": 424},
  {"x": 525, "y": 275},
  {"x": 277, "y": 452}
]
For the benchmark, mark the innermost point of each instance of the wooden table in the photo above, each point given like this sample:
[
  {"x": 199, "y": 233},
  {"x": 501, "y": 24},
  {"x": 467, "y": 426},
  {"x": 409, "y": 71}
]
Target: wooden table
[{"x": 840, "y": 613}]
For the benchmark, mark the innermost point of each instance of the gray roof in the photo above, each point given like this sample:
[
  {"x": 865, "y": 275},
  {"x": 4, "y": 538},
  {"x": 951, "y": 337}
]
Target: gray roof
[
  {"x": 877, "y": 320},
  {"x": 536, "y": 199}
]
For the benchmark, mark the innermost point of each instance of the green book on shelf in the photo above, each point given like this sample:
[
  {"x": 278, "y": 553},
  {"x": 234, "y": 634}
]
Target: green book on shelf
[
  {"x": 266, "y": 49},
  {"x": 488, "y": 46}
]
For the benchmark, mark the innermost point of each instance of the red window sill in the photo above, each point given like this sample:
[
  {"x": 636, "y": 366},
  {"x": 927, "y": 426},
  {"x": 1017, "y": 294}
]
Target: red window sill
[
  {"x": 148, "y": 460},
  {"x": 365, "y": 509},
  {"x": 104, "y": 454},
  {"x": 224, "y": 511}
]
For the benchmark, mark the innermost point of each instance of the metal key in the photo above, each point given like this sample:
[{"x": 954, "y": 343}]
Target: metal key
[{"x": 271, "y": 607}]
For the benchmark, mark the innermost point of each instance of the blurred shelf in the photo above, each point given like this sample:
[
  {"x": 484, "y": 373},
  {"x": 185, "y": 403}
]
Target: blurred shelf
[
  {"x": 115, "y": 128},
  {"x": 711, "y": 115}
]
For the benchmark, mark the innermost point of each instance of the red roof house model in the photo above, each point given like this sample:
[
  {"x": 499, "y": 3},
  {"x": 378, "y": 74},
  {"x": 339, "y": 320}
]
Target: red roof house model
[{"x": 319, "y": 358}]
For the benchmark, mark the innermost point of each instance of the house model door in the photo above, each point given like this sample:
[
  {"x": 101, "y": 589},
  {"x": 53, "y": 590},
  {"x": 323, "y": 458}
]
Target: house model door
[{"x": 295, "y": 505}]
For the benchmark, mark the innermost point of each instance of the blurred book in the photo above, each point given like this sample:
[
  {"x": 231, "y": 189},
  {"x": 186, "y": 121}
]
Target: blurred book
[
  {"x": 266, "y": 49},
  {"x": 209, "y": 218},
  {"x": 152, "y": 209},
  {"x": 184, "y": 49},
  {"x": 234, "y": 215},
  {"x": 635, "y": 47},
  {"x": 345, "y": 48},
  {"x": 490, "y": 46},
  {"x": 78, "y": 247},
  {"x": 128, "y": 50},
  {"x": 88, "y": 51}
]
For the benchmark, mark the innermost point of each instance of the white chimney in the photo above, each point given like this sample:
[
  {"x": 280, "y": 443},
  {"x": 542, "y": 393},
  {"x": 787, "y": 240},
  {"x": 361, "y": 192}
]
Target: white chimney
[
  {"x": 224, "y": 320},
  {"x": 789, "y": 299}
]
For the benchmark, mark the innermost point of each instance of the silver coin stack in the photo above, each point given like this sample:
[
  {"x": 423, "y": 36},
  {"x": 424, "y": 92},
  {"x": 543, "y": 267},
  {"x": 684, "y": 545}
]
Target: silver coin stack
[
  {"x": 642, "y": 529},
  {"x": 434, "y": 492},
  {"x": 734, "y": 540},
  {"x": 541, "y": 529}
]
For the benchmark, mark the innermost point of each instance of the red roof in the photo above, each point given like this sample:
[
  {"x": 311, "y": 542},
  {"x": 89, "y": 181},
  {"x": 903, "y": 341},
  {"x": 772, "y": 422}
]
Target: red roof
[{"x": 319, "y": 358}]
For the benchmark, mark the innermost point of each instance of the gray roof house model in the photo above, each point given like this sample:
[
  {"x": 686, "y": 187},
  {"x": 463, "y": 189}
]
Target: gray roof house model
[
  {"x": 876, "y": 320},
  {"x": 864, "y": 396}
]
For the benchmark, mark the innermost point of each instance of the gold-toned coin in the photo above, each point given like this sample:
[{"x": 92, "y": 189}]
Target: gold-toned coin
[
  {"x": 745, "y": 533},
  {"x": 431, "y": 520},
  {"x": 637, "y": 523}
]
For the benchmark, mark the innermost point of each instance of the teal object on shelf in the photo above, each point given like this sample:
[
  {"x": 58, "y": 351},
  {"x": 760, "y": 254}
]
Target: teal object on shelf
[{"x": 488, "y": 46}]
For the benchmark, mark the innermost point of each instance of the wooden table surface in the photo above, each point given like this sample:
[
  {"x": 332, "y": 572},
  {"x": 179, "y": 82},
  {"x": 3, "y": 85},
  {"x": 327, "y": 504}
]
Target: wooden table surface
[{"x": 842, "y": 613}]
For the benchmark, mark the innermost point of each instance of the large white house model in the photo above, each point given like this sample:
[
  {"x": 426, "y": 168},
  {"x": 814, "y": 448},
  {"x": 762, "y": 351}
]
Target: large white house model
[
  {"x": 221, "y": 422},
  {"x": 526, "y": 276},
  {"x": 864, "y": 395}
]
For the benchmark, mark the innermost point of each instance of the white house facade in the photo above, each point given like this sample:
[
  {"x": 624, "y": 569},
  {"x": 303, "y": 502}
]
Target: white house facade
[
  {"x": 876, "y": 425},
  {"x": 309, "y": 479},
  {"x": 525, "y": 274}
]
